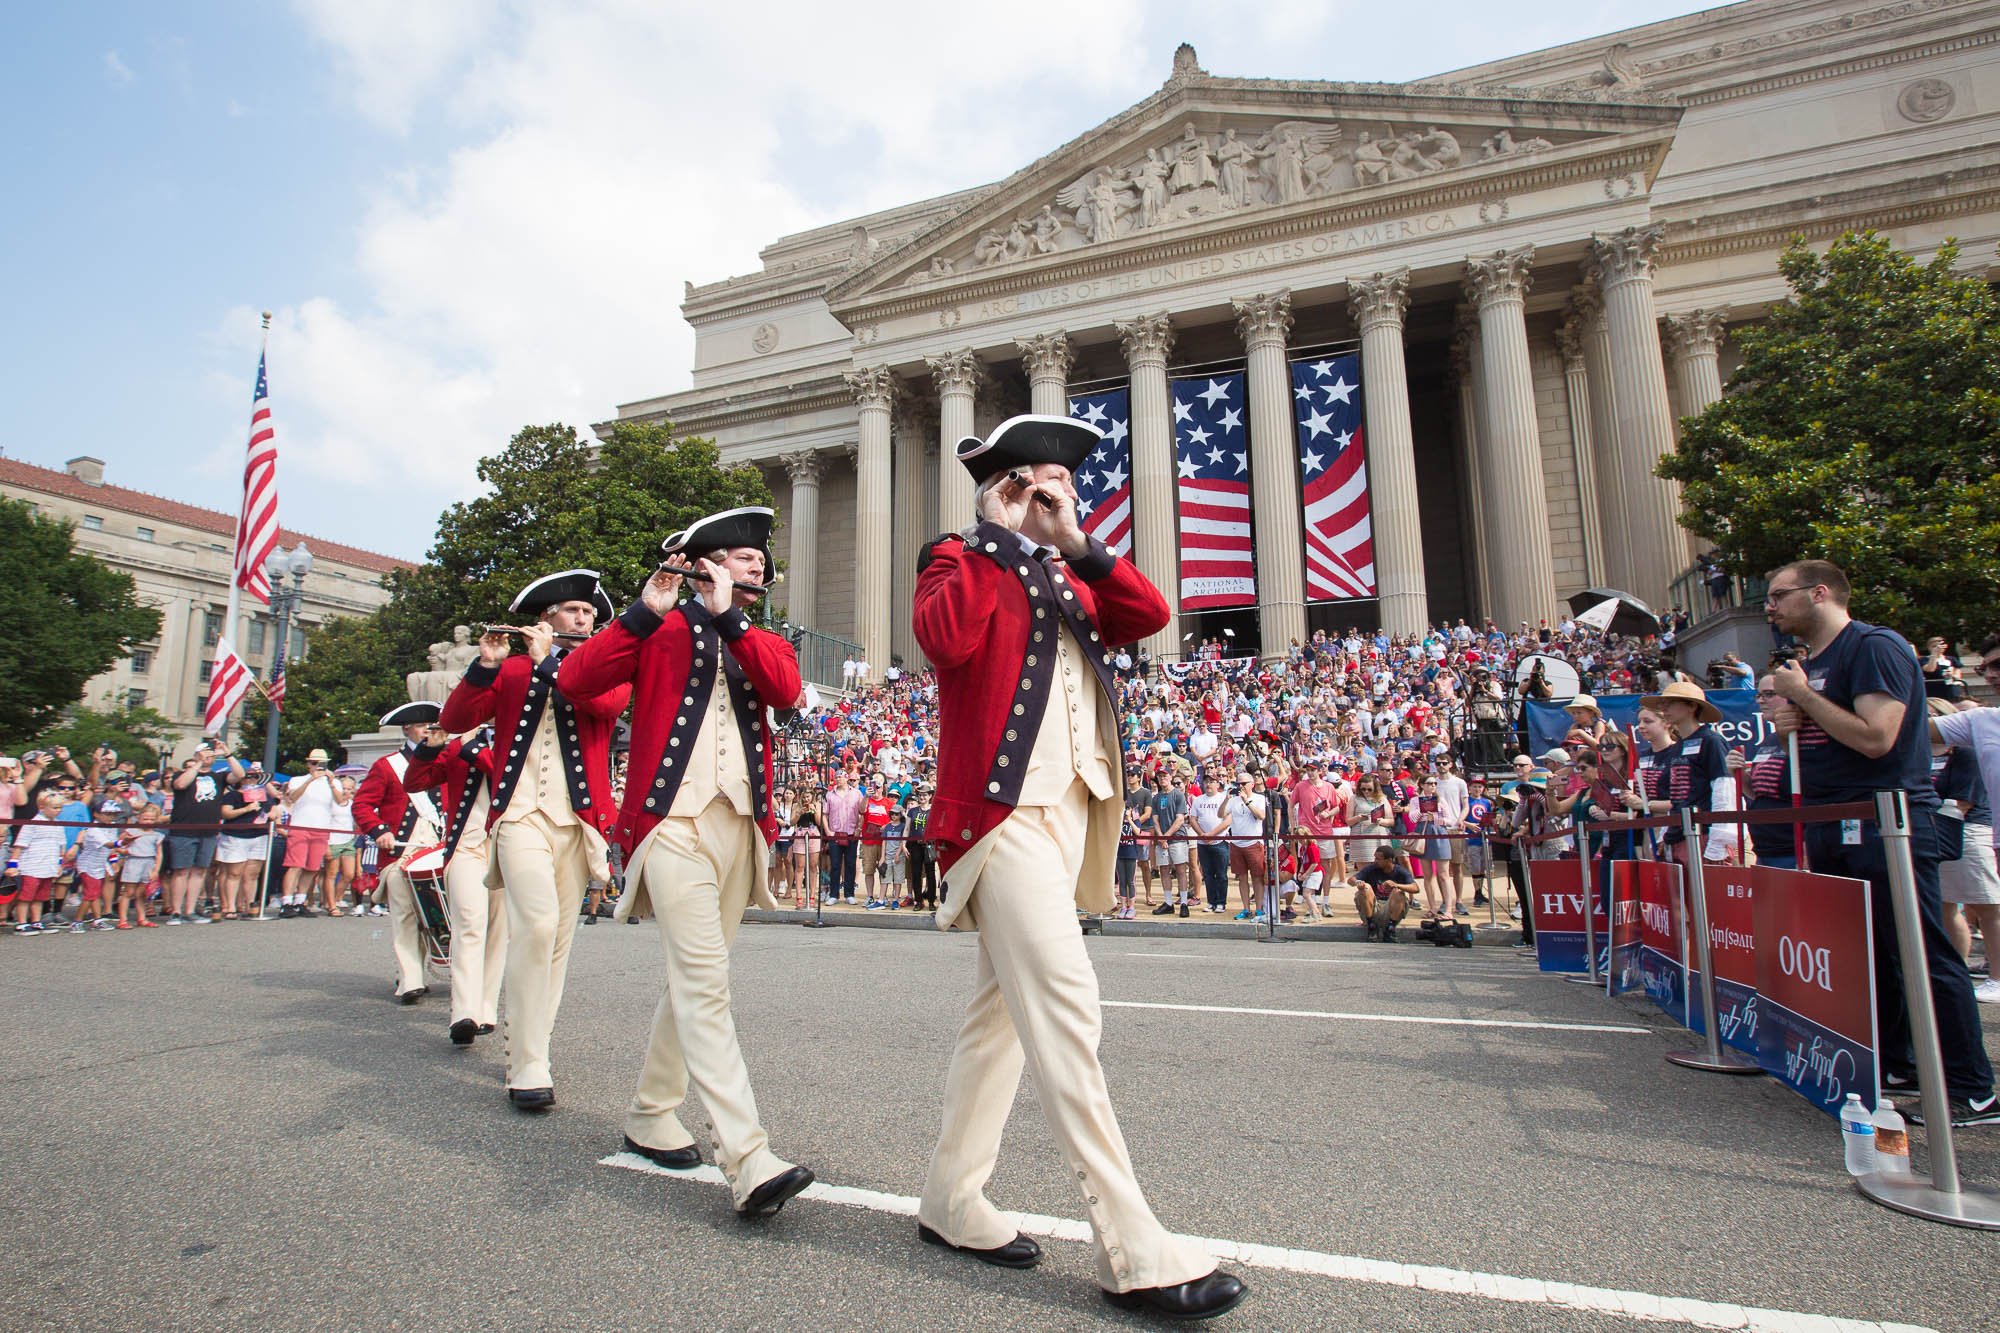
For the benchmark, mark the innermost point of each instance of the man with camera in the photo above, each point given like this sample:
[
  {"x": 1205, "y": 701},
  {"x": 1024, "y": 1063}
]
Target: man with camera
[{"x": 197, "y": 816}]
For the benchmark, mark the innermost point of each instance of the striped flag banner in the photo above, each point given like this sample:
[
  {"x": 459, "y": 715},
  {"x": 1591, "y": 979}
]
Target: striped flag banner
[
  {"x": 1104, "y": 481},
  {"x": 1212, "y": 500},
  {"x": 274, "y": 693},
  {"x": 1333, "y": 470},
  {"x": 257, "y": 527},
  {"x": 228, "y": 682}
]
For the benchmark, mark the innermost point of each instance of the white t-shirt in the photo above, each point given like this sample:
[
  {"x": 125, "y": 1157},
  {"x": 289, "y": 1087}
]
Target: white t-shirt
[
  {"x": 1246, "y": 819},
  {"x": 1979, "y": 729},
  {"x": 1453, "y": 798},
  {"x": 1202, "y": 744},
  {"x": 313, "y": 807},
  {"x": 1206, "y": 810}
]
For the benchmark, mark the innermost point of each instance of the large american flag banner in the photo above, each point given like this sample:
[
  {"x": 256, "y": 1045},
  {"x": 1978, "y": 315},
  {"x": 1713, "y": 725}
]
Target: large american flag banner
[
  {"x": 257, "y": 526},
  {"x": 1212, "y": 451},
  {"x": 1104, "y": 481},
  {"x": 1333, "y": 468},
  {"x": 228, "y": 682}
]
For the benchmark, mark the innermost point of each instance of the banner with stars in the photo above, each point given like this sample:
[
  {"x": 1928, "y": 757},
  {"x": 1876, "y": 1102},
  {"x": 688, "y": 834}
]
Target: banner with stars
[
  {"x": 1333, "y": 474},
  {"x": 1212, "y": 500},
  {"x": 1104, "y": 481}
]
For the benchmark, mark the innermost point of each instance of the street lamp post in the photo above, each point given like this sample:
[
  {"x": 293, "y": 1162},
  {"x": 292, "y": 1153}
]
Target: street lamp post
[{"x": 284, "y": 605}]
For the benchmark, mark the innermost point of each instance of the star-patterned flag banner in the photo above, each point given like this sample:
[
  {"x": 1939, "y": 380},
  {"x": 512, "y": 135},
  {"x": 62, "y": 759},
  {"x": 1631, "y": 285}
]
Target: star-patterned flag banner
[
  {"x": 1104, "y": 482},
  {"x": 1333, "y": 472},
  {"x": 1212, "y": 451}
]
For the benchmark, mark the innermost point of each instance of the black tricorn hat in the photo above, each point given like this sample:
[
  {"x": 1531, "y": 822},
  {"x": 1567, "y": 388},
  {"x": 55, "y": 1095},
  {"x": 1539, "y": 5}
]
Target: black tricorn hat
[
  {"x": 571, "y": 585},
  {"x": 1024, "y": 441},
  {"x": 747, "y": 526},
  {"x": 409, "y": 715}
]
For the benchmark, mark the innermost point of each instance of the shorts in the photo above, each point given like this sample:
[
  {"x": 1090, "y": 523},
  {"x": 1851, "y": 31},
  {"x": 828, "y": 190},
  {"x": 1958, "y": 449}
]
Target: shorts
[
  {"x": 1247, "y": 861},
  {"x": 235, "y": 851},
  {"x": 1311, "y": 880},
  {"x": 135, "y": 870},
  {"x": 1329, "y": 848},
  {"x": 1456, "y": 850},
  {"x": 895, "y": 870},
  {"x": 305, "y": 850},
  {"x": 344, "y": 845},
  {"x": 1170, "y": 852},
  {"x": 871, "y": 857},
  {"x": 90, "y": 888},
  {"x": 36, "y": 888},
  {"x": 1972, "y": 879},
  {"x": 1478, "y": 859},
  {"x": 190, "y": 851}
]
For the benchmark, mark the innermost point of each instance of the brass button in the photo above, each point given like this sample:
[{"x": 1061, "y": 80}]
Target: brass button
[
  {"x": 1001, "y": 761},
  {"x": 1013, "y": 735},
  {"x": 1019, "y": 709}
]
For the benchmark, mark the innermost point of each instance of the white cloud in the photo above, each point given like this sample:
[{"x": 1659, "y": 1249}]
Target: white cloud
[{"x": 116, "y": 71}]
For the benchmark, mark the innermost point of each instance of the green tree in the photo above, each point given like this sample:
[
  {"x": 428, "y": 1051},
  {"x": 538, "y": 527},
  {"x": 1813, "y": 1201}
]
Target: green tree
[
  {"x": 553, "y": 501},
  {"x": 67, "y": 617},
  {"x": 1863, "y": 427},
  {"x": 137, "y": 734}
]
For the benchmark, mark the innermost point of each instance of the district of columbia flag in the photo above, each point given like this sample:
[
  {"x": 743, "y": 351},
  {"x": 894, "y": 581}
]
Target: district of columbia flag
[
  {"x": 1212, "y": 499},
  {"x": 228, "y": 682},
  {"x": 1333, "y": 476},
  {"x": 1104, "y": 479},
  {"x": 257, "y": 524}
]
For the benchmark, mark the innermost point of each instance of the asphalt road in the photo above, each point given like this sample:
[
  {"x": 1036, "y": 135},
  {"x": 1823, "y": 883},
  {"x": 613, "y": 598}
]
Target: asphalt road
[{"x": 232, "y": 1127}]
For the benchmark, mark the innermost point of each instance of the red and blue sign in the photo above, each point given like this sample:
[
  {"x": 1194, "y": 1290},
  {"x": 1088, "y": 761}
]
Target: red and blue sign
[
  {"x": 1815, "y": 959},
  {"x": 1556, "y": 888}
]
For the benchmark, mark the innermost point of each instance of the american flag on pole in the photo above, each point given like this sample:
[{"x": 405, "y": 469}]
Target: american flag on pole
[
  {"x": 1333, "y": 467},
  {"x": 257, "y": 527},
  {"x": 274, "y": 693},
  {"x": 1104, "y": 481},
  {"x": 1212, "y": 450},
  {"x": 228, "y": 681}
]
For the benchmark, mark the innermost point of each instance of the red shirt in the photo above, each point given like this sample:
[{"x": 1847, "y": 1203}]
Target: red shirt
[{"x": 875, "y": 814}]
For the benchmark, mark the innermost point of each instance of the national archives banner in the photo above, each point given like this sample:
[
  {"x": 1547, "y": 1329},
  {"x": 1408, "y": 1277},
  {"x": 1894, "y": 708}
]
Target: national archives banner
[
  {"x": 1333, "y": 473},
  {"x": 1212, "y": 494},
  {"x": 1104, "y": 481}
]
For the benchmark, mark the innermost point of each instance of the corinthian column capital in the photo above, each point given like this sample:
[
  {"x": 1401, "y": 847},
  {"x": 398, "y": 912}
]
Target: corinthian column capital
[
  {"x": 1383, "y": 298},
  {"x": 1626, "y": 256},
  {"x": 1264, "y": 319},
  {"x": 1505, "y": 275},
  {"x": 958, "y": 372},
  {"x": 1046, "y": 356},
  {"x": 1696, "y": 333},
  {"x": 803, "y": 467},
  {"x": 1147, "y": 338},
  {"x": 872, "y": 386}
]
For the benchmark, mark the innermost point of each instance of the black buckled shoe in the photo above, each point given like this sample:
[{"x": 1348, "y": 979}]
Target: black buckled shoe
[
  {"x": 1020, "y": 1252},
  {"x": 484, "y": 1028},
  {"x": 1203, "y": 1298},
  {"x": 532, "y": 1099},
  {"x": 463, "y": 1031},
  {"x": 412, "y": 996},
  {"x": 674, "y": 1159},
  {"x": 770, "y": 1196}
]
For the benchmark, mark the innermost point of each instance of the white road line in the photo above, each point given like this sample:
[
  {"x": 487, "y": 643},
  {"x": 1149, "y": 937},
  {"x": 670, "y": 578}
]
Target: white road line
[
  {"x": 1639, "y": 1305},
  {"x": 1380, "y": 1018},
  {"x": 1493, "y": 966}
]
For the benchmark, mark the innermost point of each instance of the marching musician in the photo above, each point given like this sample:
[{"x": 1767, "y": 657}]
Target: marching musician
[
  {"x": 463, "y": 768},
  {"x": 1020, "y": 614},
  {"x": 550, "y": 805},
  {"x": 697, "y": 825},
  {"x": 396, "y": 821}
]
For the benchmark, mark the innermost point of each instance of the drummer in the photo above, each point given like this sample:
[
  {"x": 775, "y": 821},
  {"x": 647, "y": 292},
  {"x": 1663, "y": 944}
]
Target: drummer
[
  {"x": 464, "y": 769},
  {"x": 398, "y": 821}
]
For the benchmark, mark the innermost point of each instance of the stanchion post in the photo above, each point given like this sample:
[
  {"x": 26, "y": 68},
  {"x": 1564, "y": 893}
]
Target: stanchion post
[
  {"x": 1941, "y": 1198},
  {"x": 1711, "y": 1058},
  {"x": 1587, "y": 865}
]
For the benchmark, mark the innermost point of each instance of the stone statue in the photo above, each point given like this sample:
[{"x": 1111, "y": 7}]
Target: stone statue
[
  {"x": 1194, "y": 164},
  {"x": 1504, "y": 144},
  {"x": 1150, "y": 177},
  {"x": 1048, "y": 229},
  {"x": 448, "y": 661},
  {"x": 1236, "y": 161},
  {"x": 991, "y": 249}
]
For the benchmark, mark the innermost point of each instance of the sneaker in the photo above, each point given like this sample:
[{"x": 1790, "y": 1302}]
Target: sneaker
[
  {"x": 1389, "y": 935},
  {"x": 872, "y": 905},
  {"x": 199, "y": 920},
  {"x": 1288, "y": 915},
  {"x": 1164, "y": 909},
  {"x": 174, "y": 919},
  {"x": 378, "y": 910},
  {"x": 1964, "y": 1114},
  {"x": 77, "y": 928},
  {"x": 1514, "y": 912},
  {"x": 1244, "y": 916},
  {"x": 1374, "y": 932},
  {"x": 306, "y": 911},
  {"x": 1897, "y": 1083},
  {"x": 104, "y": 923},
  {"x": 1987, "y": 992},
  {"x": 1479, "y": 900}
]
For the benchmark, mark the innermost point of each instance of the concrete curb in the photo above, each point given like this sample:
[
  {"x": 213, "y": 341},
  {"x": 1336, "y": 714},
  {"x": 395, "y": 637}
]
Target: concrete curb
[{"x": 1192, "y": 930}]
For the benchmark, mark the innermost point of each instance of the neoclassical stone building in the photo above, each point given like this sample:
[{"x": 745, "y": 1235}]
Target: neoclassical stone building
[{"x": 1539, "y": 260}]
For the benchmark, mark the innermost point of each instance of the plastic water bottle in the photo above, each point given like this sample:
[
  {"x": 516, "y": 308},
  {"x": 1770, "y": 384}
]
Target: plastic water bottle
[
  {"x": 1857, "y": 1132},
  {"x": 1892, "y": 1140}
]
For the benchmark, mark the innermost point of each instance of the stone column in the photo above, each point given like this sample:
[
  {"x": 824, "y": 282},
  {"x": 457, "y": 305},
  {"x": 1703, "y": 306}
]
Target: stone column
[
  {"x": 1576, "y": 392},
  {"x": 916, "y": 455},
  {"x": 1607, "y": 463},
  {"x": 1523, "y": 570},
  {"x": 1656, "y": 545},
  {"x": 1277, "y": 518},
  {"x": 1378, "y": 305},
  {"x": 1155, "y": 545},
  {"x": 1047, "y": 358},
  {"x": 802, "y": 556},
  {"x": 957, "y": 375},
  {"x": 1465, "y": 368},
  {"x": 1693, "y": 340},
  {"x": 874, "y": 389}
]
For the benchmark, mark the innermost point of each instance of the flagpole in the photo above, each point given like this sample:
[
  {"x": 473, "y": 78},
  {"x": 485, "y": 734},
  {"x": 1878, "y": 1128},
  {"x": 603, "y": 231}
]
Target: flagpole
[{"x": 235, "y": 611}]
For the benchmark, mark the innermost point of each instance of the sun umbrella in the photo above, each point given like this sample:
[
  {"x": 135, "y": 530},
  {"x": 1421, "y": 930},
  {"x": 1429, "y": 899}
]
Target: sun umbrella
[{"x": 1613, "y": 612}]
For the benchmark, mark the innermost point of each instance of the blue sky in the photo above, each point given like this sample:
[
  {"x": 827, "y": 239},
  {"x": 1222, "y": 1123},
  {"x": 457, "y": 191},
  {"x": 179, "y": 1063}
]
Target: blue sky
[{"x": 470, "y": 216}]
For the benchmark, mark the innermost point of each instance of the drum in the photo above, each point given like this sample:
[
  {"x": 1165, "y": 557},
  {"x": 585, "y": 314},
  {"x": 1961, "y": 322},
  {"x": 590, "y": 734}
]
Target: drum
[{"x": 425, "y": 867}]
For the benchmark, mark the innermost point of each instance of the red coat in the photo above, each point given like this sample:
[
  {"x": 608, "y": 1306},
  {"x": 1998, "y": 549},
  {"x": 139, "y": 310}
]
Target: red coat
[
  {"x": 656, "y": 660},
  {"x": 462, "y": 767},
  {"x": 512, "y": 696},
  {"x": 380, "y": 803},
  {"x": 974, "y": 619}
]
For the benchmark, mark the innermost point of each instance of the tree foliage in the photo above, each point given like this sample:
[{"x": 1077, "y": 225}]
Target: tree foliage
[
  {"x": 1863, "y": 427},
  {"x": 67, "y": 617},
  {"x": 138, "y": 734},
  {"x": 553, "y": 502}
]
